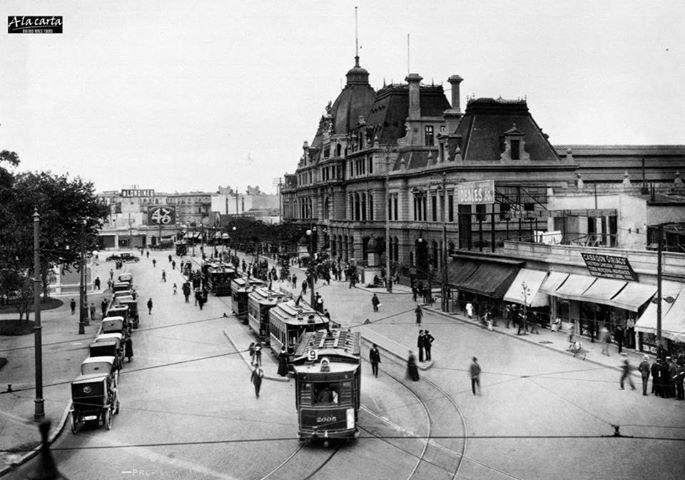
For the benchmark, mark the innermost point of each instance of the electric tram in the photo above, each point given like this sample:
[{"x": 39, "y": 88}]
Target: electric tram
[
  {"x": 219, "y": 276},
  {"x": 240, "y": 288},
  {"x": 259, "y": 302},
  {"x": 327, "y": 368},
  {"x": 288, "y": 321}
]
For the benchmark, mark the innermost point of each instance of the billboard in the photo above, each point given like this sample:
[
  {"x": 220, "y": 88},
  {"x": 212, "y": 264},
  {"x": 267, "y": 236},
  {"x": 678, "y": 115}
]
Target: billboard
[
  {"x": 476, "y": 193},
  {"x": 161, "y": 215},
  {"x": 609, "y": 266}
]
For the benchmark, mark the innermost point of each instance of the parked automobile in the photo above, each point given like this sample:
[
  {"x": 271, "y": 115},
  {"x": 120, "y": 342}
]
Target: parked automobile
[{"x": 123, "y": 257}]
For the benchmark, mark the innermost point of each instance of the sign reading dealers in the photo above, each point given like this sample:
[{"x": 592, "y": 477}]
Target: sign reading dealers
[{"x": 34, "y": 24}]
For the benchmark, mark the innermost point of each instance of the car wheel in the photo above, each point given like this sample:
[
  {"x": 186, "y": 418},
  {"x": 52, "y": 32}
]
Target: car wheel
[
  {"x": 74, "y": 424},
  {"x": 108, "y": 419}
]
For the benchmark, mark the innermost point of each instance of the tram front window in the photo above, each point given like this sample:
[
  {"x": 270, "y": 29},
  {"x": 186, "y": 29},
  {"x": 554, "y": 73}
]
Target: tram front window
[{"x": 324, "y": 393}]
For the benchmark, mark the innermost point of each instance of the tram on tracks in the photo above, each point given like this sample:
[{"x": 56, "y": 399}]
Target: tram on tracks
[
  {"x": 288, "y": 321},
  {"x": 327, "y": 368},
  {"x": 219, "y": 276},
  {"x": 259, "y": 302},
  {"x": 240, "y": 289}
]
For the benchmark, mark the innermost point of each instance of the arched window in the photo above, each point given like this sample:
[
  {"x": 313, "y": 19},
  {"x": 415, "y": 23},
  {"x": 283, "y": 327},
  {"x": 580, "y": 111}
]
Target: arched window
[
  {"x": 370, "y": 207},
  {"x": 357, "y": 206},
  {"x": 338, "y": 148}
]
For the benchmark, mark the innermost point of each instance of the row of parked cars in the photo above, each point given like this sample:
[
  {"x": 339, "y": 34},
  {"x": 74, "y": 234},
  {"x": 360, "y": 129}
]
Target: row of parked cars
[{"x": 94, "y": 392}]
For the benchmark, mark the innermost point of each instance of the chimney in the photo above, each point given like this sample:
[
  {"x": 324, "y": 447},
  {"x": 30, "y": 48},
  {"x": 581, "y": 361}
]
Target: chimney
[
  {"x": 455, "y": 80},
  {"x": 414, "y": 79}
]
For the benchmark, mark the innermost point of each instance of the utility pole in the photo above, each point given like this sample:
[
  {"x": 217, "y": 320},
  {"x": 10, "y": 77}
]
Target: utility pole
[
  {"x": 445, "y": 302},
  {"x": 659, "y": 274},
  {"x": 388, "y": 276},
  {"x": 39, "y": 409},
  {"x": 83, "y": 306}
]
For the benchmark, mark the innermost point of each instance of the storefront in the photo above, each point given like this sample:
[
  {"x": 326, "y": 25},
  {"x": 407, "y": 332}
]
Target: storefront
[
  {"x": 525, "y": 291},
  {"x": 672, "y": 321},
  {"x": 591, "y": 302},
  {"x": 482, "y": 282}
]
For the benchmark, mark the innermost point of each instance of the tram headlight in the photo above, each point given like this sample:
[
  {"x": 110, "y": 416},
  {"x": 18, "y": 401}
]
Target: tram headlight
[{"x": 350, "y": 418}]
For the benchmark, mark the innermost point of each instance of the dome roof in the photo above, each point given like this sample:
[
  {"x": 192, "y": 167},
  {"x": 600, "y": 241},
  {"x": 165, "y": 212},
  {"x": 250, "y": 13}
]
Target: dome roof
[{"x": 356, "y": 99}]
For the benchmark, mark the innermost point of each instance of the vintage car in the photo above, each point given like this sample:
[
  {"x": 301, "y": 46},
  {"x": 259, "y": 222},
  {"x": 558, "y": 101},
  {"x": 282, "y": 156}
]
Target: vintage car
[
  {"x": 132, "y": 304},
  {"x": 101, "y": 365},
  {"x": 114, "y": 325},
  {"x": 126, "y": 277},
  {"x": 94, "y": 399},
  {"x": 109, "y": 344}
]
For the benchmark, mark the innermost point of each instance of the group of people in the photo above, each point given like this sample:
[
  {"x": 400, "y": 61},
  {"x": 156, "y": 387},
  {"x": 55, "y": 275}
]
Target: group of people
[{"x": 667, "y": 375}]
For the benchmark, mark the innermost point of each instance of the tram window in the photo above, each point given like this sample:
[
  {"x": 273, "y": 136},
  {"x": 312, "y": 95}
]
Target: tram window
[
  {"x": 324, "y": 393},
  {"x": 306, "y": 394},
  {"x": 346, "y": 392}
]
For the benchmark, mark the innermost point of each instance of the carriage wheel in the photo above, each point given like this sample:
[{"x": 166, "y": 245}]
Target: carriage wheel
[
  {"x": 74, "y": 424},
  {"x": 108, "y": 419}
]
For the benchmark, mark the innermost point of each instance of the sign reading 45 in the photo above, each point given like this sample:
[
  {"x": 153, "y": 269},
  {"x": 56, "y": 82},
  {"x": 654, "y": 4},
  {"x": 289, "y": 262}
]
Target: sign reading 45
[{"x": 161, "y": 215}]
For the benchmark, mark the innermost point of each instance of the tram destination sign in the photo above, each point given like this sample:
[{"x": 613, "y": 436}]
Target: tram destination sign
[
  {"x": 609, "y": 266},
  {"x": 476, "y": 193}
]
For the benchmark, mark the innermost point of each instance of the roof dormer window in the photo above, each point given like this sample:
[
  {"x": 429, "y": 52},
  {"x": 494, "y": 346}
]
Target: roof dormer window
[{"x": 514, "y": 145}]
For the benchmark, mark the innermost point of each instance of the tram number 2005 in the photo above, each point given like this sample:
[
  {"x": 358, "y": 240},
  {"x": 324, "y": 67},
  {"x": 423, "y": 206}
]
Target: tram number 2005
[{"x": 326, "y": 419}]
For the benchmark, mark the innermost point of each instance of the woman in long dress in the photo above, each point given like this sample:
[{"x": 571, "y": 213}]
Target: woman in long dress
[
  {"x": 412, "y": 369},
  {"x": 283, "y": 363}
]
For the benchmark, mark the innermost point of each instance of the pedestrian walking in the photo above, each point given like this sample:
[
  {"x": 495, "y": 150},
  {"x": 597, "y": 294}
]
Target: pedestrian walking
[
  {"x": 147, "y": 254},
  {"x": 111, "y": 274},
  {"x": 186, "y": 291},
  {"x": 375, "y": 302},
  {"x": 420, "y": 343},
  {"x": 604, "y": 338},
  {"x": 103, "y": 307},
  {"x": 169, "y": 258},
  {"x": 200, "y": 300},
  {"x": 375, "y": 359},
  {"x": 154, "y": 263},
  {"x": 258, "y": 354},
  {"x": 175, "y": 289},
  {"x": 644, "y": 371},
  {"x": 173, "y": 265},
  {"x": 283, "y": 362},
  {"x": 474, "y": 372},
  {"x": 149, "y": 306},
  {"x": 256, "y": 379},
  {"x": 419, "y": 314},
  {"x": 656, "y": 377},
  {"x": 164, "y": 276},
  {"x": 92, "y": 311},
  {"x": 625, "y": 373},
  {"x": 294, "y": 281},
  {"x": 413, "y": 292},
  {"x": 412, "y": 369},
  {"x": 428, "y": 340},
  {"x": 252, "y": 352},
  {"x": 304, "y": 287},
  {"x": 72, "y": 304},
  {"x": 96, "y": 283}
]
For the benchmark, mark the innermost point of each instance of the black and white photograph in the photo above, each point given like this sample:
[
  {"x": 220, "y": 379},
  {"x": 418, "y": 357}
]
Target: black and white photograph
[{"x": 342, "y": 240}]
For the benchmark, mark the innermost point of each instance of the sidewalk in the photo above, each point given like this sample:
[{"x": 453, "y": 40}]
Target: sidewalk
[{"x": 63, "y": 350}]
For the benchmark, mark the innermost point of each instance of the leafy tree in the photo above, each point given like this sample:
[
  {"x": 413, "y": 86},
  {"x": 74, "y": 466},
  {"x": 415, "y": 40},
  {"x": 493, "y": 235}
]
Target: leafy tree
[{"x": 18, "y": 289}]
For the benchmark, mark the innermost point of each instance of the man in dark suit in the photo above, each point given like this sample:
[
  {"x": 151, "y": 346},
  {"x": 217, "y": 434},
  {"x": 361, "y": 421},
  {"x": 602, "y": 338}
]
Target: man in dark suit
[
  {"x": 427, "y": 343},
  {"x": 420, "y": 343}
]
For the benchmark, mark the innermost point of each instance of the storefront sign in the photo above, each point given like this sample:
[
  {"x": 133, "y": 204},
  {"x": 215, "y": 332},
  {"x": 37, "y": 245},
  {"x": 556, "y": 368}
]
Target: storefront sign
[
  {"x": 135, "y": 192},
  {"x": 476, "y": 193},
  {"x": 609, "y": 266}
]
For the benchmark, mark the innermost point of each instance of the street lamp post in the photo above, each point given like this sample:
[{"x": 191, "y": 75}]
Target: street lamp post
[
  {"x": 83, "y": 297},
  {"x": 310, "y": 234},
  {"x": 39, "y": 408}
]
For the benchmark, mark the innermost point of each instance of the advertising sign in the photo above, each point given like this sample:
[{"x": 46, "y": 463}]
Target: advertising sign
[
  {"x": 158, "y": 215},
  {"x": 476, "y": 193},
  {"x": 609, "y": 266}
]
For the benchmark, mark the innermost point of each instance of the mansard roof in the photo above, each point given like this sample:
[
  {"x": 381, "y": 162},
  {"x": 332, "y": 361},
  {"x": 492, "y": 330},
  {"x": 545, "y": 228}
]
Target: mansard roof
[
  {"x": 391, "y": 108},
  {"x": 488, "y": 120}
]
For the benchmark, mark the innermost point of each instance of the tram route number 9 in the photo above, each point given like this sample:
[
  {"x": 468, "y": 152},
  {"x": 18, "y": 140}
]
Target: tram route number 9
[
  {"x": 312, "y": 355},
  {"x": 161, "y": 215}
]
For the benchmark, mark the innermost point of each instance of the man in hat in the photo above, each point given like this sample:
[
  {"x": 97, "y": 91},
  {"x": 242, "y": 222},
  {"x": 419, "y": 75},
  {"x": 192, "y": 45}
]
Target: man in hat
[
  {"x": 644, "y": 371},
  {"x": 625, "y": 372}
]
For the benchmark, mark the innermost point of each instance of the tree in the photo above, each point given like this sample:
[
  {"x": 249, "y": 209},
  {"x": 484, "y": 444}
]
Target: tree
[
  {"x": 69, "y": 211},
  {"x": 18, "y": 290}
]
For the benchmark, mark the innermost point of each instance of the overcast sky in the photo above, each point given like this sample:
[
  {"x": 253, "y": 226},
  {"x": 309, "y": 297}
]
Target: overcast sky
[{"x": 188, "y": 95}]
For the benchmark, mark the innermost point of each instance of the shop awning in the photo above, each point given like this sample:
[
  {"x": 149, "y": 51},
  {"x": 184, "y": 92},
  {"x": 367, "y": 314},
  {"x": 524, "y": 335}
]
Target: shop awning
[
  {"x": 459, "y": 270},
  {"x": 553, "y": 281},
  {"x": 647, "y": 321},
  {"x": 633, "y": 296},
  {"x": 603, "y": 291},
  {"x": 224, "y": 236},
  {"x": 490, "y": 279},
  {"x": 533, "y": 280},
  {"x": 574, "y": 287}
]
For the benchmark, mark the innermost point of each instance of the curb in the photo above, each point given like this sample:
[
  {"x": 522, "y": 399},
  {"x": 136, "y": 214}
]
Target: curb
[
  {"x": 519, "y": 337},
  {"x": 243, "y": 355},
  {"x": 51, "y": 439}
]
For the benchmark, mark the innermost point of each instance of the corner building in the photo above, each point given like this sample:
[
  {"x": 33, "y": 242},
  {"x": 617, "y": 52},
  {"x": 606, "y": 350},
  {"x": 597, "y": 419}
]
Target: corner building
[{"x": 412, "y": 139}]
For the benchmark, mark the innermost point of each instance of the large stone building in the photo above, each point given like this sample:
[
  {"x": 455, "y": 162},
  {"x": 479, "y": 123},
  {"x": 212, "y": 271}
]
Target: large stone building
[{"x": 410, "y": 137}]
